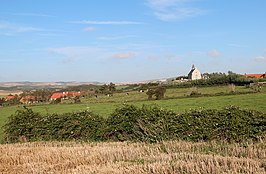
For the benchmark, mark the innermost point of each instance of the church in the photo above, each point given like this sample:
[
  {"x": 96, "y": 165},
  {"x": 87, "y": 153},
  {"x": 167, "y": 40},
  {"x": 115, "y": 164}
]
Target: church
[{"x": 194, "y": 74}]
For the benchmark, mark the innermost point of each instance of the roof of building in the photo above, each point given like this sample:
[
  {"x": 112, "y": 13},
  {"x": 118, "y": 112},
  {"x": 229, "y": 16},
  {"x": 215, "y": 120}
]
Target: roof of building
[
  {"x": 65, "y": 94},
  {"x": 57, "y": 95},
  {"x": 256, "y": 75},
  {"x": 27, "y": 98},
  {"x": 10, "y": 97}
]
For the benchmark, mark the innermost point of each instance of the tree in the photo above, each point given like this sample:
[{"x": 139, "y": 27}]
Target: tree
[
  {"x": 150, "y": 93},
  {"x": 108, "y": 89},
  {"x": 158, "y": 92},
  {"x": 111, "y": 87}
]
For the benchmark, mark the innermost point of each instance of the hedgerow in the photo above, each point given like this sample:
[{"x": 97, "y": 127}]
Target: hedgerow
[
  {"x": 32, "y": 126},
  {"x": 146, "y": 123}
]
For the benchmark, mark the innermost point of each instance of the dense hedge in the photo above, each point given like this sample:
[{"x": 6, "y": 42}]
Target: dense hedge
[
  {"x": 156, "y": 124},
  {"x": 32, "y": 126},
  {"x": 131, "y": 123}
]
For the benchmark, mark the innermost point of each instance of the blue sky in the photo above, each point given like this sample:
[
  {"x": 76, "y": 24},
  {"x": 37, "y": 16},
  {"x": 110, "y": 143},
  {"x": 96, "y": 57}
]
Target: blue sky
[{"x": 129, "y": 40}]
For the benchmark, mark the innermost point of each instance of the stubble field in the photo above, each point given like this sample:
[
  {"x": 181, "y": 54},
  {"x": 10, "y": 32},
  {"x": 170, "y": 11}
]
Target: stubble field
[{"x": 126, "y": 157}]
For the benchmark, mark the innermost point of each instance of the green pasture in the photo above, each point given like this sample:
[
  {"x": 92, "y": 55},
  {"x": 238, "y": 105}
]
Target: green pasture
[{"x": 175, "y": 99}]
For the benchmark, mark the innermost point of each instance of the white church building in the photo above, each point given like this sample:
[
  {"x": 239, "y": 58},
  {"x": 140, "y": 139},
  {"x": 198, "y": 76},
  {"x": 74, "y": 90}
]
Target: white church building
[{"x": 194, "y": 74}]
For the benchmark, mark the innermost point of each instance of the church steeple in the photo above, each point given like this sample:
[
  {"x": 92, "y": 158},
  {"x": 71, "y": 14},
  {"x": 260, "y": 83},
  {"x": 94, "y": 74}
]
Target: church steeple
[{"x": 193, "y": 66}]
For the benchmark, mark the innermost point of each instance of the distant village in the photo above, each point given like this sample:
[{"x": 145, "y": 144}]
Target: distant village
[{"x": 48, "y": 96}]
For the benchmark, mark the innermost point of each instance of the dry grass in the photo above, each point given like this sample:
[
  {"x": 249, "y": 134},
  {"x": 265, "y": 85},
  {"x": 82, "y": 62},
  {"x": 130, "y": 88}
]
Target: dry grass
[{"x": 124, "y": 157}]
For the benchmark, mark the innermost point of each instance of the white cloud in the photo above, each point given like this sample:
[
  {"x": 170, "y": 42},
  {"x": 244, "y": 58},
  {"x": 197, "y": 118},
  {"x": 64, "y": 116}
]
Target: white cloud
[
  {"x": 89, "y": 29},
  {"x": 71, "y": 54},
  {"x": 6, "y": 26},
  {"x": 260, "y": 59},
  {"x": 237, "y": 45},
  {"x": 31, "y": 14},
  {"x": 126, "y": 55},
  {"x": 115, "y": 37},
  {"x": 214, "y": 53},
  {"x": 107, "y": 22},
  {"x": 170, "y": 10},
  {"x": 73, "y": 51}
]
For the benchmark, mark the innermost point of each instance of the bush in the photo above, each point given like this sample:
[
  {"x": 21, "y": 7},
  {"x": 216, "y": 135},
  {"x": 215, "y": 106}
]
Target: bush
[
  {"x": 131, "y": 123},
  {"x": 139, "y": 124},
  {"x": 22, "y": 124},
  {"x": 154, "y": 124},
  {"x": 31, "y": 125},
  {"x": 229, "y": 124}
]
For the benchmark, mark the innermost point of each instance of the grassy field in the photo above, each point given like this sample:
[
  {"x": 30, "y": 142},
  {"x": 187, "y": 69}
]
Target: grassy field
[
  {"x": 175, "y": 99},
  {"x": 125, "y": 157}
]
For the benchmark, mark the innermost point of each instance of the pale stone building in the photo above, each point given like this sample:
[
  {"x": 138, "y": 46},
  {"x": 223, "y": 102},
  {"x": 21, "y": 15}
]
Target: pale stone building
[{"x": 194, "y": 74}]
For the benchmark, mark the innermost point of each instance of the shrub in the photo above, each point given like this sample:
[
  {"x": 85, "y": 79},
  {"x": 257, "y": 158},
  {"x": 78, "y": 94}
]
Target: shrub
[
  {"x": 82, "y": 125},
  {"x": 139, "y": 124},
  {"x": 153, "y": 124},
  {"x": 22, "y": 124},
  {"x": 131, "y": 123}
]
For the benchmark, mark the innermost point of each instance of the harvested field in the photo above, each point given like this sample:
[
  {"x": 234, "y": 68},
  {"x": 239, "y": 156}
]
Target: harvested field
[
  {"x": 126, "y": 157},
  {"x": 4, "y": 93}
]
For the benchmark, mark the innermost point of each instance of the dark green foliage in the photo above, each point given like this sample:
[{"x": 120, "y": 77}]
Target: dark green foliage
[
  {"x": 230, "y": 124},
  {"x": 131, "y": 123},
  {"x": 72, "y": 126},
  {"x": 108, "y": 89},
  {"x": 155, "y": 124},
  {"x": 22, "y": 124},
  {"x": 220, "y": 79},
  {"x": 158, "y": 92},
  {"x": 56, "y": 101},
  {"x": 139, "y": 124},
  {"x": 32, "y": 126}
]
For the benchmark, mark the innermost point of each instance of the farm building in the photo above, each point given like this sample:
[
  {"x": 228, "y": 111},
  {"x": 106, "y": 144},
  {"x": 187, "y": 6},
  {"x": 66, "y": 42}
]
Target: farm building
[
  {"x": 258, "y": 76},
  {"x": 65, "y": 95}
]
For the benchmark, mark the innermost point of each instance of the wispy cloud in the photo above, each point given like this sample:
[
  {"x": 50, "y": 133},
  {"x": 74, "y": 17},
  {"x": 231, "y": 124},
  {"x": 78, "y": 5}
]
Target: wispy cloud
[
  {"x": 236, "y": 45},
  {"x": 260, "y": 59},
  {"x": 72, "y": 54},
  {"x": 6, "y": 26},
  {"x": 214, "y": 53},
  {"x": 107, "y": 22},
  {"x": 30, "y": 14},
  {"x": 115, "y": 37},
  {"x": 89, "y": 29},
  {"x": 126, "y": 55},
  {"x": 170, "y": 10}
]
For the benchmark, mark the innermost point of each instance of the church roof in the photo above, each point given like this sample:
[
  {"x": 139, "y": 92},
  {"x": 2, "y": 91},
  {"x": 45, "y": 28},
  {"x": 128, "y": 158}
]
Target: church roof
[{"x": 191, "y": 71}]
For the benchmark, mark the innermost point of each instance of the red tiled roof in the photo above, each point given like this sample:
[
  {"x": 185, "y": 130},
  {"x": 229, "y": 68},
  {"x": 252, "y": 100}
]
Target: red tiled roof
[
  {"x": 27, "y": 98},
  {"x": 65, "y": 94},
  {"x": 255, "y": 75},
  {"x": 10, "y": 97},
  {"x": 57, "y": 95}
]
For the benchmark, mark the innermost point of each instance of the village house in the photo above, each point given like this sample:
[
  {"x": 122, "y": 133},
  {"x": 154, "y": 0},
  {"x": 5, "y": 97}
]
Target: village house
[
  {"x": 194, "y": 74},
  {"x": 28, "y": 99},
  {"x": 258, "y": 76},
  {"x": 65, "y": 95},
  {"x": 11, "y": 97}
]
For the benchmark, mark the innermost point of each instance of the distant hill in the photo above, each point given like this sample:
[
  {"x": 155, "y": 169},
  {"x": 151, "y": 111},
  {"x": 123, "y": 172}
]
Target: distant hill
[{"x": 41, "y": 85}]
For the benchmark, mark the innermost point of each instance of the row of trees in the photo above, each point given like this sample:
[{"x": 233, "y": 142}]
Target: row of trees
[
  {"x": 220, "y": 79},
  {"x": 107, "y": 88}
]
